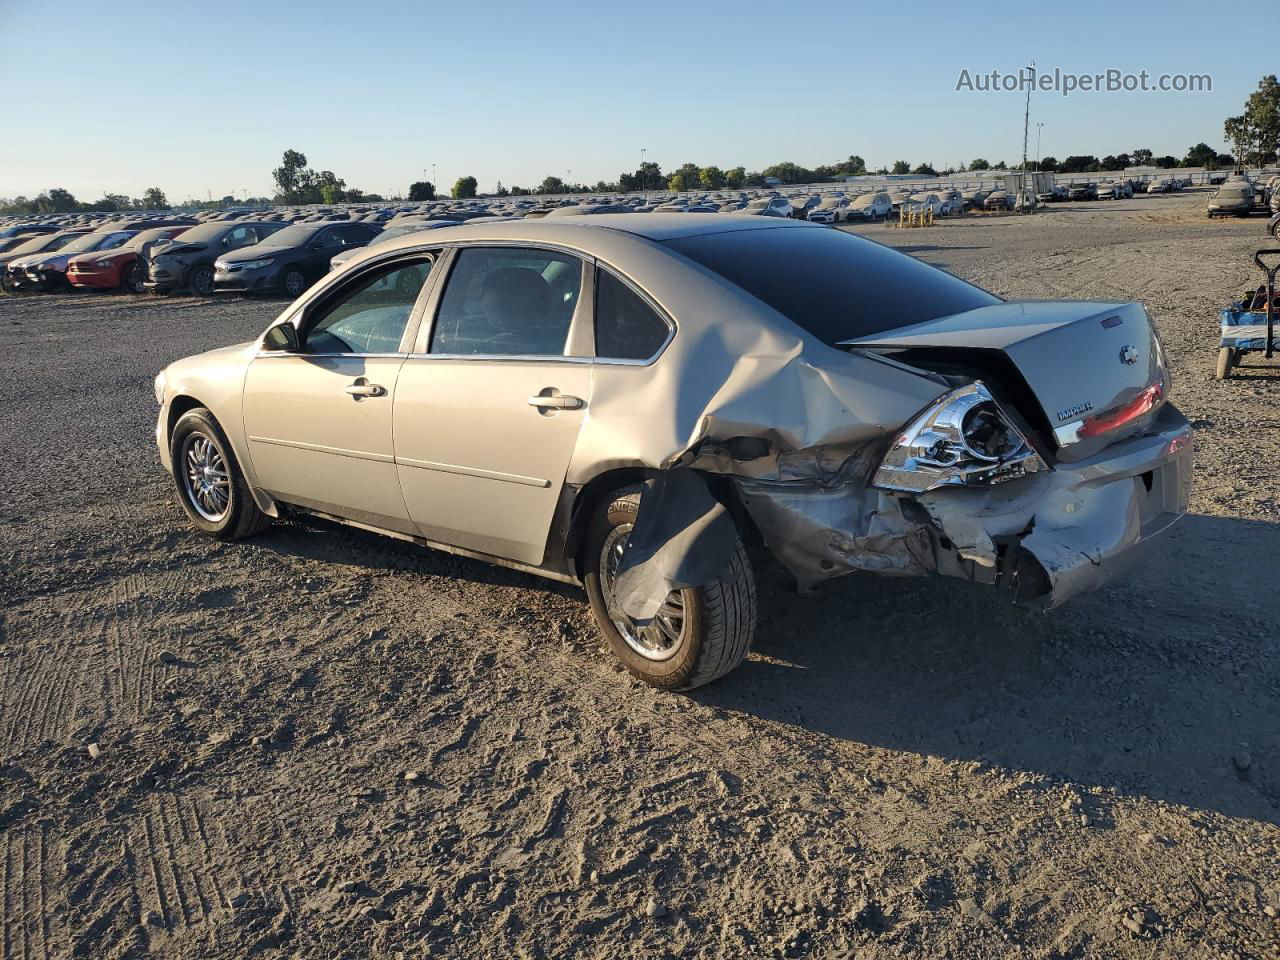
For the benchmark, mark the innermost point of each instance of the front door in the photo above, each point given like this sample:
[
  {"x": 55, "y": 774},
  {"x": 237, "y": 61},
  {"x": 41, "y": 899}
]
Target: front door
[
  {"x": 318, "y": 421},
  {"x": 486, "y": 420}
]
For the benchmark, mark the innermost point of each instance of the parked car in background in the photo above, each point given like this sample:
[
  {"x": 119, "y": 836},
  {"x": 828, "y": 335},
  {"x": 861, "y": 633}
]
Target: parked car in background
[
  {"x": 996, "y": 200},
  {"x": 124, "y": 268},
  {"x": 768, "y": 207},
  {"x": 869, "y": 206},
  {"x": 1158, "y": 186},
  {"x": 1109, "y": 190},
  {"x": 187, "y": 264},
  {"x": 290, "y": 260},
  {"x": 43, "y": 243},
  {"x": 1082, "y": 191},
  {"x": 1234, "y": 198},
  {"x": 46, "y": 272},
  {"x": 394, "y": 232},
  {"x": 974, "y": 199},
  {"x": 830, "y": 210},
  {"x": 935, "y": 430}
]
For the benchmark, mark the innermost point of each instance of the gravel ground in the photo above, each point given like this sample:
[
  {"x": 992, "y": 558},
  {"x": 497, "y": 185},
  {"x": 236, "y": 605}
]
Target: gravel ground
[{"x": 322, "y": 743}]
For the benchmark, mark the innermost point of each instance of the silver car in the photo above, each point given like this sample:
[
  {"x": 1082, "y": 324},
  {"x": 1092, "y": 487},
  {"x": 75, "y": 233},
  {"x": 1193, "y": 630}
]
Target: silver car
[{"x": 631, "y": 401}]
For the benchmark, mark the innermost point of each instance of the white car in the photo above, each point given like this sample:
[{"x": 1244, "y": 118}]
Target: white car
[
  {"x": 768, "y": 207},
  {"x": 830, "y": 210},
  {"x": 869, "y": 206}
]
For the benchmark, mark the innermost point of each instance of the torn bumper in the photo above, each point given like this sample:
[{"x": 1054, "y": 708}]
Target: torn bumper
[{"x": 1046, "y": 537}]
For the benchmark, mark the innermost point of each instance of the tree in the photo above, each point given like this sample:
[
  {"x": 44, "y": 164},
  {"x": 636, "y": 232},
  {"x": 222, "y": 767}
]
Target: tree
[
  {"x": 853, "y": 167},
  {"x": 1077, "y": 163},
  {"x": 154, "y": 199},
  {"x": 422, "y": 190},
  {"x": 1260, "y": 128},
  {"x": 924, "y": 170},
  {"x": 1201, "y": 155},
  {"x": 753, "y": 179},
  {"x": 1118, "y": 162},
  {"x": 464, "y": 188},
  {"x": 549, "y": 185},
  {"x": 1143, "y": 157},
  {"x": 1000, "y": 165},
  {"x": 735, "y": 177},
  {"x": 979, "y": 164},
  {"x": 711, "y": 178},
  {"x": 1049, "y": 163},
  {"x": 1166, "y": 162},
  {"x": 789, "y": 172},
  {"x": 289, "y": 176},
  {"x": 330, "y": 187},
  {"x": 901, "y": 166}
]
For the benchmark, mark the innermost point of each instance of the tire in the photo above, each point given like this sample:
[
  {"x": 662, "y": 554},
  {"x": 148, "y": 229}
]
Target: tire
[
  {"x": 131, "y": 278},
  {"x": 198, "y": 441},
  {"x": 1275, "y": 230},
  {"x": 292, "y": 282},
  {"x": 716, "y": 624},
  {"x": 201, "y": 280},
  {"x": 1226, "y": 361}
]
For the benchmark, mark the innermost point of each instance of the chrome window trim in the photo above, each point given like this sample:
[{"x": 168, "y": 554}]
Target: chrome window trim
[{"x": 665, "y": 317}]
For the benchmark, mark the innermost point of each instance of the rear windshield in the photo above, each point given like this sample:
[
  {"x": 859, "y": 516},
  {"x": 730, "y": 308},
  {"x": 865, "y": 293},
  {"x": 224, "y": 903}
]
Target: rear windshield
[{"x": 834, "y": 285}]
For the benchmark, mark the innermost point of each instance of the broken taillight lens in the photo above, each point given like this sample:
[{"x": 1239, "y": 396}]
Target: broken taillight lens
[
  {"x": 961, "y": 439},
  {"x": 1146, "y": 401}
]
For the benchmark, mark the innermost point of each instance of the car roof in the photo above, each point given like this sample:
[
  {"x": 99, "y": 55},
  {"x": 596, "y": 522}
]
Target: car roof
[{"x": 594, "y": 234}]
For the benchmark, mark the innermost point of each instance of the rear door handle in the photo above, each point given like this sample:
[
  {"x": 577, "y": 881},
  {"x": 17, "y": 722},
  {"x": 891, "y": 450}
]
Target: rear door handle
[
  {"x": 366, "y": 390},
  {"x": 557, "y": 402}
]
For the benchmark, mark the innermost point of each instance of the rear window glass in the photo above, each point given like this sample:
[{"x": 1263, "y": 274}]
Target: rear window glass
[{"x": 832, "y": 284}]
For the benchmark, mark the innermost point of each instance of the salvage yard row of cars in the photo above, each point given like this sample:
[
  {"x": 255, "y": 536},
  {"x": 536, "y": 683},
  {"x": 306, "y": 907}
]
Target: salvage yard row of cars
[{"x": 287, "y": 250}]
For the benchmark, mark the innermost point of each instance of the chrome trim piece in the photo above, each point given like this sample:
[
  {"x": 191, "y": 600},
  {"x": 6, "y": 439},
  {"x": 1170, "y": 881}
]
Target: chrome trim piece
[
  {"x": 505, "y": 358},
  {"x": 473, "y": 472},
  {"x": 310, "y": 356},
  {"x": 319, "y": 448}
]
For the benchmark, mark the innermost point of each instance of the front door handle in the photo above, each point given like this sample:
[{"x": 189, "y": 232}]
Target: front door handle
[
  {"x": 558, "y": 402},
  {"x": 359, "y": 390}
]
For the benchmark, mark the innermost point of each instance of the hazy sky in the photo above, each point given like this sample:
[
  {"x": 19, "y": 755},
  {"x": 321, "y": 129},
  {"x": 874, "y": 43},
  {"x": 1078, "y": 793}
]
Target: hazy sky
[{"x": 201, "y": 98}]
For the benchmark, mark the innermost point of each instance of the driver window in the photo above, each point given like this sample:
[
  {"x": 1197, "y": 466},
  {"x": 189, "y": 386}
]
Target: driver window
[
  {"x": 507, "y": 301},
  {"x": 239, "y": 237},
  {"x": 370, "y": 316}
]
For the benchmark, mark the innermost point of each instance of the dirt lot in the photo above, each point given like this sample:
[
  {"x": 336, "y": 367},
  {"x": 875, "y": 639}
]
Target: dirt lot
[{"x": 325, "y": 744}]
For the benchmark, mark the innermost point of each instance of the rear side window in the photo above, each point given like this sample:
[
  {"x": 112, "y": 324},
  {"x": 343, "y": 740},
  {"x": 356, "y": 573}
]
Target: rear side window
[
  {"x": 507, "y": 301},
  {"x": 627, "y": 328},
  {"x": 832, "y": 284}
]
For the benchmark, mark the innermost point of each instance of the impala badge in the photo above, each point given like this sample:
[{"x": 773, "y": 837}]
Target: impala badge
[
  {"x": 1075, "y": 411},
  {"x": 1128, "y": 354}
]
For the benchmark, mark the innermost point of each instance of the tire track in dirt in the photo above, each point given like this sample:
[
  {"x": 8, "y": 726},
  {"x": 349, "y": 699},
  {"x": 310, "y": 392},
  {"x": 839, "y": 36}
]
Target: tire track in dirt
[{"x": 29, "y": 931}]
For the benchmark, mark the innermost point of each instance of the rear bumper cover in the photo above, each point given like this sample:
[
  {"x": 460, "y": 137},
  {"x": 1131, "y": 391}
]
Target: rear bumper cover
[{"x": 1045, "y": 538}]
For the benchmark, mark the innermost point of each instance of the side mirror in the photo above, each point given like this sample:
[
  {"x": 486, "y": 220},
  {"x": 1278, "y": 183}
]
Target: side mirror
[{"x": 283, "y": 337}]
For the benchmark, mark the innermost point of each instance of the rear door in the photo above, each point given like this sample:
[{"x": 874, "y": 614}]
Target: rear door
[{"x": 489, "y": 406}]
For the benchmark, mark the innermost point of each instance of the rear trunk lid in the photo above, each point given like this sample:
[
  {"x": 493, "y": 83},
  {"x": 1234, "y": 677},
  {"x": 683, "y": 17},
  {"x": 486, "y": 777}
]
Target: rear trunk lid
[{"x": 1095, "y": 369}]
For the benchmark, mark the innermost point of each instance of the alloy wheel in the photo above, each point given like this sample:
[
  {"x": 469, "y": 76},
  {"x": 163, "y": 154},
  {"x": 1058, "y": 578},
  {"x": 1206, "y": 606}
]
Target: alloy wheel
[
  {"x": 205, "y": 480},
  {"x": 663, "y": 636}
]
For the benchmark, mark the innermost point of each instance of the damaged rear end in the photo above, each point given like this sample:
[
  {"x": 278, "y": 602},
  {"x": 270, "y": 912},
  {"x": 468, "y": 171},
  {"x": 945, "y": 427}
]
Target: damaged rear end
[{"x": 1048, "y": 469}]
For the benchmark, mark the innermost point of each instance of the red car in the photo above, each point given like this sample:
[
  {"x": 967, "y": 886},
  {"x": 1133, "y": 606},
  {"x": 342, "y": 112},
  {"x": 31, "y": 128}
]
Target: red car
[{"x": 123, "y": 268}]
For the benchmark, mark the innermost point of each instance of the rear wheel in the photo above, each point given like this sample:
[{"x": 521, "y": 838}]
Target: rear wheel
[
  {"x": 201, "y": 280},
  {"x": 698, "y": 635},
  {"x": 210, "y": 486},
  {"x": 1226, "y": 361}
]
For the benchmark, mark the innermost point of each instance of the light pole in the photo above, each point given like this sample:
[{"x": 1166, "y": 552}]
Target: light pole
[
  {"x": 568, "y": 180},
  {"x": 643, "y": 183},
  {"x": 1039, "y": 126}
]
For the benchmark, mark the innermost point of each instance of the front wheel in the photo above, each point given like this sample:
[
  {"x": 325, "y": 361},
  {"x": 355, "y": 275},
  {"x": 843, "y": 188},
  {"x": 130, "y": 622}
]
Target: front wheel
[
  {"x": 132, "y": 277},
  {"x": 698, "y": 635},
  {"x": 201, "y": 280},
  {"x": 210, "y": 486}
]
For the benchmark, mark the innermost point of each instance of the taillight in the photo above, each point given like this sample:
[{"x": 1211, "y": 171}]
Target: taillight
[{"x": 1139, "y": 406}]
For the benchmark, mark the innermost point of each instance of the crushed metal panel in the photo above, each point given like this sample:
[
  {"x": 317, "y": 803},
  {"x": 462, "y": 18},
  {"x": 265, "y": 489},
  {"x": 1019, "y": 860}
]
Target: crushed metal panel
[
  {"x": 683, "y": 537},
  {"x": 818, "y": 532}
]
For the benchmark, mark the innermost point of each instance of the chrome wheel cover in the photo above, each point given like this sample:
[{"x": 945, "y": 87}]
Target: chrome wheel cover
[
  {"x": 204, "y": 477},
  {"x": 663, "y": 636}
]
